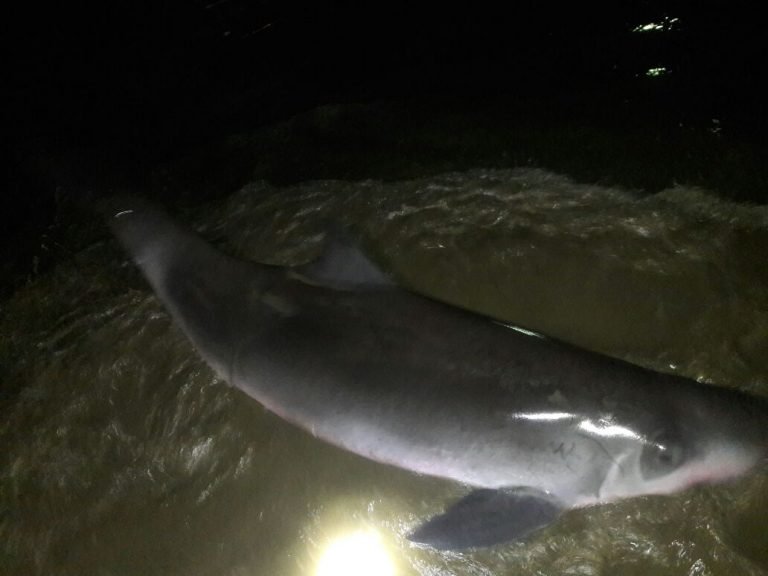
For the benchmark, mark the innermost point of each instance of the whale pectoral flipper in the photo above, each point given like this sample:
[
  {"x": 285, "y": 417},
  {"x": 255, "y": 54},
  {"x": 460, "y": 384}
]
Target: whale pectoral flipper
[{"x": 487, "y": 517}]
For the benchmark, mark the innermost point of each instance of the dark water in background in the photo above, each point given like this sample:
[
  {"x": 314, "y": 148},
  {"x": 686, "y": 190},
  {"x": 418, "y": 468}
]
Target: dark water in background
[{"x": 123, "y": 454}]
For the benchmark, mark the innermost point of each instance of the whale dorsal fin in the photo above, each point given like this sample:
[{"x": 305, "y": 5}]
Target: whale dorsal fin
[{"x": 343, "y": 265}]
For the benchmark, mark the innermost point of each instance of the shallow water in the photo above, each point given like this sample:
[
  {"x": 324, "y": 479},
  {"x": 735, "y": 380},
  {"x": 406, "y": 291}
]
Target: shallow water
[{"x": 124, "y": 454}]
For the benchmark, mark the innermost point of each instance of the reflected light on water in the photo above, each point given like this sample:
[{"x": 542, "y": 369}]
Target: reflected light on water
[{"x": 355, "y": 554}]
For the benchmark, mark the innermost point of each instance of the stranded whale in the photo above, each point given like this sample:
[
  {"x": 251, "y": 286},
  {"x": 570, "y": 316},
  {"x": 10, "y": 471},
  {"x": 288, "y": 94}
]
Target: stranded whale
[{"x": 534, "y": 425}]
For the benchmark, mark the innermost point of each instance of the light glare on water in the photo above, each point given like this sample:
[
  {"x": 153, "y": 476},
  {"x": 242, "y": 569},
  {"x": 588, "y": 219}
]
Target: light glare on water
[{"x": 356, "y": 553}]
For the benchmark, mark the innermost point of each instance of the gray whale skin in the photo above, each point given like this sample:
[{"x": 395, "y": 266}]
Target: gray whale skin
[{"x": 533, "y": 425}]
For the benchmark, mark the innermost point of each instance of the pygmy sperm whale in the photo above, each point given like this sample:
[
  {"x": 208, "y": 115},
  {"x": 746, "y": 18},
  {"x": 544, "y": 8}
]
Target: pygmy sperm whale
[{"x": 534, "y": 425}]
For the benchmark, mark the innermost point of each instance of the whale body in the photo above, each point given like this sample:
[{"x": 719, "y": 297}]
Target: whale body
[{"x": 533, "y": 425}]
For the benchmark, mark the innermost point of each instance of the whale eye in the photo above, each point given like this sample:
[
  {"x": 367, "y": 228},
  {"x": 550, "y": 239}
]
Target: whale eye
[{"x": 662, "y": 455}]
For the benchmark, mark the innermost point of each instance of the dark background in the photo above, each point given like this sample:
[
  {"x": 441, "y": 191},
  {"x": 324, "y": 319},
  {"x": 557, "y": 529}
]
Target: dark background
[{"x": 114, "y": 93}]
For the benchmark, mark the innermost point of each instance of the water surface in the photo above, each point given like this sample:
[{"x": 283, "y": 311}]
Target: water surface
[{"x": 124, "y": 454}]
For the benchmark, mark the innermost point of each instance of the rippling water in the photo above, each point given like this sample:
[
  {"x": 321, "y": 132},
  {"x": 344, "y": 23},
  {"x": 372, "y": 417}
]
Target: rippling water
[{"x": 122, "y": 453}]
